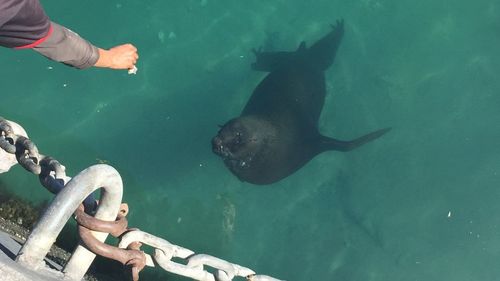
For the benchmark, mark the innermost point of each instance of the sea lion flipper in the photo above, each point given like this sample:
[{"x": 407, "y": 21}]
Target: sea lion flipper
[
  {"x": 327, "y": 143},
  {"x": 319, "y": 56},
  {"x": 302, "y": 46},
  {"x": 322, "y": 53}
]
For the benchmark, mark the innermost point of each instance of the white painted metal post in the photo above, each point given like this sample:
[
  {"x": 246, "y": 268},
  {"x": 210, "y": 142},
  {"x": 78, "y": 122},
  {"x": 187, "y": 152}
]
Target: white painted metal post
[{"x": 60, "y": 210}]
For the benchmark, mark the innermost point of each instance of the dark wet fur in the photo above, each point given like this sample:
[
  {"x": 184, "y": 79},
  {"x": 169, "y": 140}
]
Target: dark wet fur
[{"x": 277, "y": 132}]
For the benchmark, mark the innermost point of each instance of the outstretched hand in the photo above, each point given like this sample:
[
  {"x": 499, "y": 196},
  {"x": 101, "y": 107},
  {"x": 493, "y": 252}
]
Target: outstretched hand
[{"x": 119, "y": 57}]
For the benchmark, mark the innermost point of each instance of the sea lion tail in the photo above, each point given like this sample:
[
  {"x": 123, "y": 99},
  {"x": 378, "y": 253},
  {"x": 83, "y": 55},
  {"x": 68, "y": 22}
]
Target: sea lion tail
[{"x": 327, "y": 143}]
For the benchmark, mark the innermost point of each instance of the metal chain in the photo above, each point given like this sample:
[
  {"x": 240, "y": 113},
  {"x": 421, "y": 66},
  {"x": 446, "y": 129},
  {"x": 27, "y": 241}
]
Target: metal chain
[
  {"x": 6, "y": 137},
  {"x": 51, "y": 173},
  {"x": 52, "y": 176},
  {"x": 128, "y": 252},
  {"x": 131, "y": 239},
  {"x": 195, "y": 263}
]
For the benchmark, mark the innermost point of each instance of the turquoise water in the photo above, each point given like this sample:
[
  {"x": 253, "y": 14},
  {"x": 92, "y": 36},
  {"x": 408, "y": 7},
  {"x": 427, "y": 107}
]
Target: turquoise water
[{"x": 420, "y": 203}]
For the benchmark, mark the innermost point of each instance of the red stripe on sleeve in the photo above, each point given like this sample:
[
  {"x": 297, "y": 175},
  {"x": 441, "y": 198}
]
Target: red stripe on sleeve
[{"x": 37, "y": 42}]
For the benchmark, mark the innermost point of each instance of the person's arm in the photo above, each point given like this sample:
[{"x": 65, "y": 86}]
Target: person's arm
[{"x": 65, "y": 46}]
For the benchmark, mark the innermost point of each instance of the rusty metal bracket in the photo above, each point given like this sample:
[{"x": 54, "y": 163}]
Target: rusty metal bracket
[
  {"x": 115, "y": 228},
  {"x": 132, "y": 256}
]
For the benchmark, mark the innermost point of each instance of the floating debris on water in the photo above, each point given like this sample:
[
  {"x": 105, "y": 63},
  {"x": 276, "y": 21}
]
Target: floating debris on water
[{"x": 161, "y": 36}]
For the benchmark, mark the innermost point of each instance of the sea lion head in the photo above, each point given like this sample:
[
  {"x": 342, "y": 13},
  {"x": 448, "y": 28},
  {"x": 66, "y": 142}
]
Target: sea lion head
[{"x": 239, "y": 141}]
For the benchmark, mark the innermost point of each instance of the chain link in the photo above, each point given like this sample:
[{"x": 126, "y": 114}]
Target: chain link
[
  {"x": 50, "y": 172},
  {"x": 156, "y": 242},
  {"x": 6, "y": 137},
  {"x": 27, "y": 155},
  {"x": 52, "y": 176},
  {"x": 195, "y": 263}
]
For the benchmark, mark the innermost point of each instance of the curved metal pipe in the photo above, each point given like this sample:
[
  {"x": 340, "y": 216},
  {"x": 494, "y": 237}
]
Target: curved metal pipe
[{"x": 60, "y": 210}]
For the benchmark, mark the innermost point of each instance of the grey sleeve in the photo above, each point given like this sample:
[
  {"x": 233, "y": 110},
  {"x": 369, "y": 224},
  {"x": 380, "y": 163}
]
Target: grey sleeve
[{"x": 65, "y": 46}]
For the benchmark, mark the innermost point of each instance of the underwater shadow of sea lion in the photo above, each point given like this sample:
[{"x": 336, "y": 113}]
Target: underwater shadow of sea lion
[{"x": 277, "y": 132}]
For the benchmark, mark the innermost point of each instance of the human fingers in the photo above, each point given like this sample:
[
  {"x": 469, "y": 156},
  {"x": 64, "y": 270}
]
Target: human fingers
[{"x": 130, "y": 46}]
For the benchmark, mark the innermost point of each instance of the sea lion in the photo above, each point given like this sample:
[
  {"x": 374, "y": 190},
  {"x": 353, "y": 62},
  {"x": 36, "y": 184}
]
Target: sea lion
[{"x": 277, "y": 132}]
